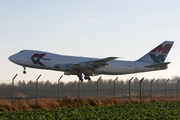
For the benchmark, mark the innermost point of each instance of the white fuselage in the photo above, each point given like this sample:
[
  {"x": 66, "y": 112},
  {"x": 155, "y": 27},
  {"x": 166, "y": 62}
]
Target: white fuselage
[{"x": 49, "y": 60}]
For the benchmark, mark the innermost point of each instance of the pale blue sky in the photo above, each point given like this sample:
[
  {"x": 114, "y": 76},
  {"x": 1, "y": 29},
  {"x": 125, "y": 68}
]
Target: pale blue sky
[{"x": 122, "y": 28}]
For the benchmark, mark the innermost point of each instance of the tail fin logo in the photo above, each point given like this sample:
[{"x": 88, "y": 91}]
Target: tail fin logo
[
  {"x": 159, "y": 54},
  {"x": 162, "y": 49},
  {"x": 158, "y": 59}
]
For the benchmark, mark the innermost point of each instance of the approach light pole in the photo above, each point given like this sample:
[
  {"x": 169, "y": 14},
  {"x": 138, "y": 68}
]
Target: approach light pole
[
  {"x": 115, "y": 87},
  {"x": 98, "y": 88},
  {"x": 140, "y": 82},
  {"x": 166, "y": 88},
  {"x": 130, "y": 88},
  {"x": 151, "y": 88},
  {"x": 59, "y": 86},
  {"x": 178, "y": 89},
  {"x": 37, "y": 87},
  {"x": 13, "y": 87}
]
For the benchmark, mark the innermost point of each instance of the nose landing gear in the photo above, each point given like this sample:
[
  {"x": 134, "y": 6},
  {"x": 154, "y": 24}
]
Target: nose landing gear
[{"x": 24, "y": 70}]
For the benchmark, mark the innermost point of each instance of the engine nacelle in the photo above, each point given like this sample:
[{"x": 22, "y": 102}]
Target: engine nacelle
[
  {"x": 85, "y": 65},
  {"x": 63, "y": 67},
  {"x": 82, "y": 65}
]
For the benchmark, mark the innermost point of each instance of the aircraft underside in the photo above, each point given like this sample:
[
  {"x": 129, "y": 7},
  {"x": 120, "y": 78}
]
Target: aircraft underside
[{"x": 84, "y": 76}]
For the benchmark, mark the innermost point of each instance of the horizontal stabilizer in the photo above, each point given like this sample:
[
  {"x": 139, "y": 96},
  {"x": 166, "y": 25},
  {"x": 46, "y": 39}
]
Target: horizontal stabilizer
[{"x": 159, "y": 65}]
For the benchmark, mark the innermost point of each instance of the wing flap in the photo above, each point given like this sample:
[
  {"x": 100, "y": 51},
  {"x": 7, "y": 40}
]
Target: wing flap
[{"x": 104, "y": 60}]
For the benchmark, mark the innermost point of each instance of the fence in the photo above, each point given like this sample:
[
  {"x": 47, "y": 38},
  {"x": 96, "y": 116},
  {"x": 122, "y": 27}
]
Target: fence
[{"x": 129, "y": 91}]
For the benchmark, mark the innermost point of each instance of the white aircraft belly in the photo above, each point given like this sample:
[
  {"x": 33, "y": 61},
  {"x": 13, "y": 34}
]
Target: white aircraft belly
[{"x": 122, "y": 68}]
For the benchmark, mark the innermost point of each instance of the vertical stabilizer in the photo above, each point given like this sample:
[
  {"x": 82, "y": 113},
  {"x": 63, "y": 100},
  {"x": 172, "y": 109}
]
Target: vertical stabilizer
[{"x": 158, "y": 54}]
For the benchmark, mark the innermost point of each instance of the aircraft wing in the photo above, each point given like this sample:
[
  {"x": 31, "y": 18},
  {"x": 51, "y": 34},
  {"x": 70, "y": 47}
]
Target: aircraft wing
[
  {"x": 87, "y": 67},
  {"x": 105, "y": 59},
  {"x": 96, "y": 63}
]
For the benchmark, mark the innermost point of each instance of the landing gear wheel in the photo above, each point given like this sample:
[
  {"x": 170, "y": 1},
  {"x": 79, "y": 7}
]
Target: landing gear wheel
[
  {"x": 87, "y": 77},
  {"x": 80, "y": 76},
  {"x": 24, "y": 72}
]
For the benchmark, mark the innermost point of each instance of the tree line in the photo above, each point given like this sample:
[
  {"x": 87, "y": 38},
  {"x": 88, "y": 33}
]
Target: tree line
[{"x": 47, "y": 89}]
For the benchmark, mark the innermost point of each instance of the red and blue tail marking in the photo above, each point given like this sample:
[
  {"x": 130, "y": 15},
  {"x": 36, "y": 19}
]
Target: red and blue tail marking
[{"x": 158, "y": 54}]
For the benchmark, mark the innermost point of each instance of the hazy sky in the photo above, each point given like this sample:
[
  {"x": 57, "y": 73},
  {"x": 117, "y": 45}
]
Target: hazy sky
[{"x": 103, "y": 28}]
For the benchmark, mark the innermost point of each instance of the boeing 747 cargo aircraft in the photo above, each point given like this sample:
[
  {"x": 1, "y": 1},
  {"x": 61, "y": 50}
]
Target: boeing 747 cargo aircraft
[{"x": 72, "y": 65}]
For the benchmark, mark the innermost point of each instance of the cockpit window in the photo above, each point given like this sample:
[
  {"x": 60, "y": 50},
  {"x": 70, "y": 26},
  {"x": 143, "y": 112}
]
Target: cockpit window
[{"x": 21, "y": 51}]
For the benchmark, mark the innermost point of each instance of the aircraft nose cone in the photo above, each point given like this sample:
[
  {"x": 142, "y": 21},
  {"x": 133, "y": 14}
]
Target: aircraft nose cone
[{"x": 12, "y": 58}]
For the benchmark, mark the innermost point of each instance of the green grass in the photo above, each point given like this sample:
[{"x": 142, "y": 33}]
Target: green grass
[{"x": 139, "y": 111}]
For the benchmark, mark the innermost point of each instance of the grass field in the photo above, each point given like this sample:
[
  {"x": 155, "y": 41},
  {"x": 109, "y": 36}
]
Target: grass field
[
  {"x": 148, "y": 111},
  {"x": 50, "y": 103}
]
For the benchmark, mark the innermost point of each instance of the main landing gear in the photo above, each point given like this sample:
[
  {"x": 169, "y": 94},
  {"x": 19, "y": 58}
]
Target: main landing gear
[
  {"x": 80, "y": 76},
  {"x": 86, "y": 77},
  {"x": 24, "y": 70}
]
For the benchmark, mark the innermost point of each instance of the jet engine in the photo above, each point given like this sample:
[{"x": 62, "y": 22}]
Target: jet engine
[
  {"x": 84, "y": 65},
  {"x": 65, "y": 67}
]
